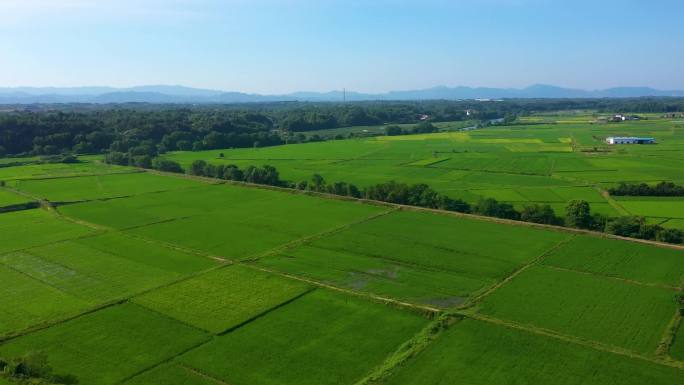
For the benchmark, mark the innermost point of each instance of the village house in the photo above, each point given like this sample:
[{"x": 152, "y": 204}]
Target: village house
[{"x": 629, "y": 140}]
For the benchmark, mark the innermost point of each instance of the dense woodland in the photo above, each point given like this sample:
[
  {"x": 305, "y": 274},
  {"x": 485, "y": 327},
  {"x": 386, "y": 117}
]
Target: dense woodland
[{"x": 148, "y": 129}]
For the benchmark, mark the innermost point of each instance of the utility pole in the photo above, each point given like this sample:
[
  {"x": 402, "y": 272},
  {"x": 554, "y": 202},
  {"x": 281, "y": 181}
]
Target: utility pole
[{"x": 344, "y": 95}]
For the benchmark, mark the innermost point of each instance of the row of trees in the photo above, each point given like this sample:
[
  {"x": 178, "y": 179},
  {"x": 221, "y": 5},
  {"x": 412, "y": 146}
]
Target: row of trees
[
  {"x": 420, "y": 128},
  {"x": 663, "y": 189},
  {"x": 578, "y": 213},
  {"x": 267, "y": 175}
]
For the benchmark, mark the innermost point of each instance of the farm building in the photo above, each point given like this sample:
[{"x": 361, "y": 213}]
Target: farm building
[{"x": 629, "y": 140}]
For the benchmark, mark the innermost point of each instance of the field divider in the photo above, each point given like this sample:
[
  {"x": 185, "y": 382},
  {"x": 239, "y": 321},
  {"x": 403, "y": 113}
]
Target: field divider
[
  {"x": 71, "y": 176},
  {"x": 625, "y": 280},
  {"x": 572, "y": 339},
  {"x": 267, "y": 311},
  {"x": 612, "y": 202},
  {"x": 414, "y": 265},
  {"x": 200, "y": 373},
  {"x": 309, "y": 238},
  {"x": 54, "y": 322},
  {"x": 106, "y": 304},
  {"x": 209, "y": 335},
  {"x": 663, "y": 350},
  {"x": 175, "y": 247},
  {"x": 409, "y": 349},
  {"x": 475, "y": 300},
  {"x": 569, "y": 230},
  {"x": 208, "y": 338}
]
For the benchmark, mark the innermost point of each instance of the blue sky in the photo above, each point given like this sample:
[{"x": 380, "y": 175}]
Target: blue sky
[{"x": 270, "y": 46}]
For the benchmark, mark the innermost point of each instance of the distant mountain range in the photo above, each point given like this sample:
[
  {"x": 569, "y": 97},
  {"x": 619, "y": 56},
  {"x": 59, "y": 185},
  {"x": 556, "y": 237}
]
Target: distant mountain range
[{"x": 180, "y": 94}]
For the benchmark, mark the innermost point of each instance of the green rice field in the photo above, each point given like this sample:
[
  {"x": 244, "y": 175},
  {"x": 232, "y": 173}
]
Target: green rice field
[
  {"x": 608, "y": 311},
  {"x": 480, "y": 353},
  {"x": 540, "y": 163},
  {"x": 337, "y": 339},
  {"x": 127, "y": 277}
]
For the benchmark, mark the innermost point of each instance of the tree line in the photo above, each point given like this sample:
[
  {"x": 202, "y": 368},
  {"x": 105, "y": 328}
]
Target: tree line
[
  {"x": 156, "y": 129},
  {"x": 578, "y": 213},
  {"x": 662, "y": 189}
]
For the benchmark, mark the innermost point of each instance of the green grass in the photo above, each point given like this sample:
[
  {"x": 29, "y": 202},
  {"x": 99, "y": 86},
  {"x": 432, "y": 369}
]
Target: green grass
[
  {"x": 106, "y": 347},
  {"x": 608, "y": 311},
  {"x": 613, "y": 258},
  {"x": 26, "y": 302},
  {"x": 101, "y": 186},
  {"x": 224, "y": 298},
  {"x": 417, "y": 256},
  {"x": 28, "y": 228},
  {"x": 477, "y": 353},
  {"x": 321, "y": 338}
]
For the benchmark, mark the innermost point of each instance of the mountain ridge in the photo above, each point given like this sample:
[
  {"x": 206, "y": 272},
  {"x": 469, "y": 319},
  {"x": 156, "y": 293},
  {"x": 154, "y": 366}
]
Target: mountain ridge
[{"x": 182, "y": 94}]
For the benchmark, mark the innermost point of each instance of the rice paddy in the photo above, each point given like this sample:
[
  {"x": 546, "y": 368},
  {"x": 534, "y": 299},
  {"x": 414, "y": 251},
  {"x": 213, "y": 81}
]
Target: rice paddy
[{"x": 134, "y": 278}]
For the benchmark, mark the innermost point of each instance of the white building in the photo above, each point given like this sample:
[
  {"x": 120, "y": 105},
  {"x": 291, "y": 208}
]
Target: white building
[{"x": 629, "y": 140}]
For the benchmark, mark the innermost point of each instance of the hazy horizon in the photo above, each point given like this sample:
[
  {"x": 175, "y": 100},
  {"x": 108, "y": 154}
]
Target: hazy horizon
[{"x": 278, "y": 47}]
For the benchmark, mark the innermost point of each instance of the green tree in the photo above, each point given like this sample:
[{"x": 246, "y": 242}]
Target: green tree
[
  {"x": 578, "y": 214},
  {"x": 184, "y": 145},
  {"x": 626, "y": 226},
  {"x": 670, "y": 236},
  {"x": 492, "y": 208},
  {"x": 197, "y": 167},
  {"x": 393, "y": 130},
  {"x": 539, "y": 214},
  {"x": 115, "y": 157},
  {"x": 167, "y": 165},
  {"x": 317, "y": 183},
  {"x": 142, "y": 161}
]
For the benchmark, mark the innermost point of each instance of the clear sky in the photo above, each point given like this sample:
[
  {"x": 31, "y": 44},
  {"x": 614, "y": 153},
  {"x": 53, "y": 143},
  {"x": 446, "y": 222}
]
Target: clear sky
[{"x": 271, "y": 46}]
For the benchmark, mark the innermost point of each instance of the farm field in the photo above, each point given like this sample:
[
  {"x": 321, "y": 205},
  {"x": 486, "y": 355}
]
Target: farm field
[
  {"x": 224, "y": 298},
  {"x": 229, "y": 221},
  {"x": 433, "y": 261},
  {"x": 142, "y": 278},
  {"x": 84, "y": 168},
  {"x": 608, "y": 311},
  {"x": 46, "y": 303},
  {"x": 85, "y": 188},
  {"x": 28, "y": 228},
  {"x": 542, "y": 163},
  {"x": 110, "y": 345},
  {"x": 8, "y": 198},
  {"x": 336, "y": 340},
  {"x": 613, "y": 258},
  {"x": 481, "y": 353},
  {"x": 94, "y": 270}
]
